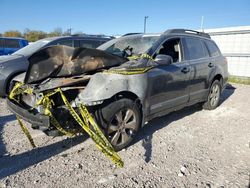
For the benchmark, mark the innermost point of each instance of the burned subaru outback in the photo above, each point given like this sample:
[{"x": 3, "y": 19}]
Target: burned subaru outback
[{"x": 123, "y": 84}]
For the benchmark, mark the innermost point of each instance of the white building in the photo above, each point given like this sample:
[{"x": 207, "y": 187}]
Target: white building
[{"x": 234, "y": 43}]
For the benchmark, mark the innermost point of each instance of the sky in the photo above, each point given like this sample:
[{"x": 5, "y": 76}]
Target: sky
[{"x": 115, "y": 17}]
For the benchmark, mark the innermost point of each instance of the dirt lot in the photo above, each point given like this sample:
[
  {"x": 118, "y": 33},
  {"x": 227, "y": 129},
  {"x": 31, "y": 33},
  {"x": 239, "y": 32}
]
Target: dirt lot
[{"x": 188, "y": 148}]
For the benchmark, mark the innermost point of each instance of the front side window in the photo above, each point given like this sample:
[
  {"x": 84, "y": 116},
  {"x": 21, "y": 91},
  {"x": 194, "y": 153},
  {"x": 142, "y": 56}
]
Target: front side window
[
  {"x": 172, "y": 48},
  {"x": 11, "y": 43},
  {"x": 195, "y": 48}
]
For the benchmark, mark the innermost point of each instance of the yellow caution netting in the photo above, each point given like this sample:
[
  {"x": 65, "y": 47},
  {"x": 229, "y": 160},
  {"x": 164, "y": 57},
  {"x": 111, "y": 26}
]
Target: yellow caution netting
[{"x": 86, "y": 121}]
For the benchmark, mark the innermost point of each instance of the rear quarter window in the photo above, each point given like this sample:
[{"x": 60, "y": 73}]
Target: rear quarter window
[
  {"x": 12, "y": 43},
  {"x": 195, "y": 48},
  {"x": 212, "y": 48}
]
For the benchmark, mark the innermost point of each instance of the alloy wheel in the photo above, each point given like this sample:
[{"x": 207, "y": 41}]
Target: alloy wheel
[
  {"x": 122, "y": 127},
  {"x": 214, "y": 95}
]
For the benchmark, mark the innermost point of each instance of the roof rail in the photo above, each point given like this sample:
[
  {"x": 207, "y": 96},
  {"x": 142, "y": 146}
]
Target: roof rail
[
  {"x": 187, "y": 31},
  {"x": 91, "y": 35},
  {"x": 130, "y": 34}
]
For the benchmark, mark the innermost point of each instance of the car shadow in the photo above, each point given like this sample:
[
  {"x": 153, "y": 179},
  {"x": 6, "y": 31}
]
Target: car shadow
[
  {"x": 11, "y": 164},
  {"x": 147, "y": 132},
  {"x": 228, "y": 91},
  {"x": 3, "y": 121}
]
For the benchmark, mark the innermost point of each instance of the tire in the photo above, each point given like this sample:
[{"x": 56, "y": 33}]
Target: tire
[
  {"x": 120, "y": 121},
  {"x": 213, "y": 98}
]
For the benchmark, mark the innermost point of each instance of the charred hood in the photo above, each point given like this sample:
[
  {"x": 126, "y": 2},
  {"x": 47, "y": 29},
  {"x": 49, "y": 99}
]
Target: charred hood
[{"x": 63, "y": 61}]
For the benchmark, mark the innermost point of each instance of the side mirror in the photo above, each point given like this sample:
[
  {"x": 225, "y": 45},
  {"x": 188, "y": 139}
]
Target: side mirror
[{"x": 162, "y": 59}]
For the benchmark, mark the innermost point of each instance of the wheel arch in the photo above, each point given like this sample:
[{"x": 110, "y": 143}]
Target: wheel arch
[
  {"x": 129, "y": 95},
  {"x": 218, "y": 77},
  {"x": 10, "y": 77}
]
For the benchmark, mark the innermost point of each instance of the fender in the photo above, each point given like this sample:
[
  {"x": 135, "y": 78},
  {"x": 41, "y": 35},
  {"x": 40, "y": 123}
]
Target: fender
[{"x": 103, "y": 86}]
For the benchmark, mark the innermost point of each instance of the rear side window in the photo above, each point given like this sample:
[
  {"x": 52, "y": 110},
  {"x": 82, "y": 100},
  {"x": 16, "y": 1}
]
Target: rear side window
[
  {"x": 195, "y": 48},
  {"x": 213, "y": 49},
  {"x": 10, "y": 43},
  {"x": 90, "y": 43}
]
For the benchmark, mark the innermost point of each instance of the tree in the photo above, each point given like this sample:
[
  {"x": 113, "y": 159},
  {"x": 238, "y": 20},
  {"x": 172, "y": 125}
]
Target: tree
[
  {"x": 57, "y": 32},
  {"x": 12, "y": 33},
  {"x": 33, "y": 35}
]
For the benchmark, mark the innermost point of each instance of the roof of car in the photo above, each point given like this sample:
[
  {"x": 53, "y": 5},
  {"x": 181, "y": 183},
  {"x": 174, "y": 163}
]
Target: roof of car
[
  {"x": 80, "y": 36},
  {"x": 17, "y": 38}
]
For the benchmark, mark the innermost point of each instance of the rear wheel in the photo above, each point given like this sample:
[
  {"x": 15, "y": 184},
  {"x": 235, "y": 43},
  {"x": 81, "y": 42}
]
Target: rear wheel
[
  {"x": 121, "y": 120},
  {"x": 213, "y": 96}
]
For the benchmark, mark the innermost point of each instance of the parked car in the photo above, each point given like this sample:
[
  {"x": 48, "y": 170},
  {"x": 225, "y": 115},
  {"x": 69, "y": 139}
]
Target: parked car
[
  {"x": 125, "y": 82},
  {"x": 9, "y": 45},
  {"x": 17, "y": 63}
]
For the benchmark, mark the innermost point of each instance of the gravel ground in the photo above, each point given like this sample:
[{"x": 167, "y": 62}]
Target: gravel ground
[{"x": 188, "y": 148}]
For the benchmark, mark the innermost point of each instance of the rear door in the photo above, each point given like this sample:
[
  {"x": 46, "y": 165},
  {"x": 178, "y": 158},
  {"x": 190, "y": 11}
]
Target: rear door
[
  {"x": 168, "y": 84},
  {"x": 199, "y": 62},
  {"x": 2, "y": 46}
]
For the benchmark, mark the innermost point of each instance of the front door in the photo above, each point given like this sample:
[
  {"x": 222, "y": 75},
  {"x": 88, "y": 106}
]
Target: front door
[{"x": 168, "y": 84}]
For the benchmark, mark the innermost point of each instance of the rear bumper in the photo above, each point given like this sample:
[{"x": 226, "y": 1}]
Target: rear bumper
[{"x": 34, "y": 119}]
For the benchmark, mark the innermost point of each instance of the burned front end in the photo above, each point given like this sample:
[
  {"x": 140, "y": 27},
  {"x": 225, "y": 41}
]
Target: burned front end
[
  {"x": 69, "y": 69},
  {"x": 64, "y": 88}
]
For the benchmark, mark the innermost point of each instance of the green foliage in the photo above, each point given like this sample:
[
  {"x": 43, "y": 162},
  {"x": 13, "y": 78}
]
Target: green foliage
[
  {"x": 12, "y": 33},
  {"x": 34, "y": 35},
  {"x": 239, "y": 80}
]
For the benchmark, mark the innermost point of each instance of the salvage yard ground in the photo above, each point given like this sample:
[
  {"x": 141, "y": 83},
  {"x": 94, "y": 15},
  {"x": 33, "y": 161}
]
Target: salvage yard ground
[{"x": 187, "y": 148}]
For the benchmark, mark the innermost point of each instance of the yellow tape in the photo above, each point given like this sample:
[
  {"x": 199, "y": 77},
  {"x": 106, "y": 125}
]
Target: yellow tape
[
  {"x": 47, "y": 105},
  {"x": 130, "y": 71},
  {"x": 26, "y": 132},
  {"x": 136, "y": 57},
  {"x": 97, "y": 136},
  {"x": 107, "y": 149}
]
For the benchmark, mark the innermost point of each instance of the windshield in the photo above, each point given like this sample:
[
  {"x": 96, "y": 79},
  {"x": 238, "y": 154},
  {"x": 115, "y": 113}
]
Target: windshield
[
  {"x": 31, "y": 48},
  {"x": 137, "y": 44}
]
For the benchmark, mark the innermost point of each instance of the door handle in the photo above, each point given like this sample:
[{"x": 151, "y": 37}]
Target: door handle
[
  {"x": 210, "y": 65},
  {"x": 185, "y": 70}
]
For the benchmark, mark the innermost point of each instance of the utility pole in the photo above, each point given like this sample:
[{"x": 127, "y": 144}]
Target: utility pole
[
  {"x": 145, "y": 23},
  {"x": 202, "y": 22},
  {"x": 69, "y": 30}
]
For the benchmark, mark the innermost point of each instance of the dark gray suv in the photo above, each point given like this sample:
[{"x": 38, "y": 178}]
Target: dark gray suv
[
  {"x": 16, "y": 63},
  {"x": 125, "y": 82}
]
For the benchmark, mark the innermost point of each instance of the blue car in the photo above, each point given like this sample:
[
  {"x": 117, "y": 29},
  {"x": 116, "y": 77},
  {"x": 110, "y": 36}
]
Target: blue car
[{"x": 9, "y": 45}]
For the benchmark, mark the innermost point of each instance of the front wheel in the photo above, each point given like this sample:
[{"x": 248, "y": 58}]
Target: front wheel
[
  {"x": 122, "y": 121},
  {"x": 213, "y": 96}
]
